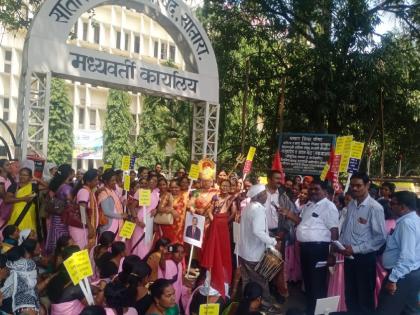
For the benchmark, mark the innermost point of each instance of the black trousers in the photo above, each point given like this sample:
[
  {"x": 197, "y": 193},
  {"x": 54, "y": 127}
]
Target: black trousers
[
  {"x": 360, "y": 279},
  {"x": 315, "y": 279},
  {"x": 405, "y": 299}
]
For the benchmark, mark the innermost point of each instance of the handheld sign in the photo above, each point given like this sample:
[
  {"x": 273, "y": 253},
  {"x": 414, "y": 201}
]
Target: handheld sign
[
  {"x": 355, "y": 156},
  {"x": 325, "y": 172},
  {"x": 126, "y": 182},
  {"x": 209, "y": 309},
  {"x": 125, "y": 163},
  {"x": 194, "y": 172},
  {"x": 79, "y": 269},
  {"x": 71, "y": 267},
  {"x": 84, "y": 267},
  {"x": 343, "y": 148},
  {"x": 127, "y": 230},
  {"x": 251, "y": 153},
  {"x": 145, "y": 197},
  {"x": 263, "y": 180}
]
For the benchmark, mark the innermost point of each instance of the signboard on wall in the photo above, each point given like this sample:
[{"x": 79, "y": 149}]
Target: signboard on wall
[
  {"x": 304, "y": 153},
  {"x": 88, "y": 144}
]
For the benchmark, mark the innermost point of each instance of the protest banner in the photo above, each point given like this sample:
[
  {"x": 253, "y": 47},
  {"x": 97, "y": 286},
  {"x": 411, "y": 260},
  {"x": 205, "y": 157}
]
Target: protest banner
[
  {"x": 355, "y": 156},
  {"x": 193, "y": 233},
  {"x": 127, "y": 230},
  {"x": 343, "y": 148},
  {"x": 324, "y": 172},
  {"x": 251, "y": 153},
  {"x": 125, "y": 163},
  {"x": 79, "y": 269},
  {"x": 304, "y": 153},
  {"x": 127, "y": 182},
  {"x": 145, "y": 197},
  {"x": 209, "y": 309}
]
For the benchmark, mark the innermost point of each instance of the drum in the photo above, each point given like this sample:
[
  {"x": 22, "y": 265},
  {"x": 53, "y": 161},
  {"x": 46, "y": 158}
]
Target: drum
[{"x": 270, "y": 264}]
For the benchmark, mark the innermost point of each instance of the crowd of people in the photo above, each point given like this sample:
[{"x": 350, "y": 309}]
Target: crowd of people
[{"x": 362, "y": 245}]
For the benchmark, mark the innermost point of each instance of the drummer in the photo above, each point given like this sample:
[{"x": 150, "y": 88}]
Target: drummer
[
  {"x": 254, "y": 240},
  {"x": 318, "y": 226}
]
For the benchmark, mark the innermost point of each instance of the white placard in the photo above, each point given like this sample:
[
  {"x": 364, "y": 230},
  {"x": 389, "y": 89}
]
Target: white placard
[
  {"x": 193, "y": 231},
  {"x": 327, "y": 305}
]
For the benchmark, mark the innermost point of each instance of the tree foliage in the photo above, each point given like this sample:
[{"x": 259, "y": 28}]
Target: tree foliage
[
  {"x": 335, "y": 73},
  {"x": 60, "y": 137},
  {"x": 118, "y": 124},
  {"x": 164, "y": 123}
]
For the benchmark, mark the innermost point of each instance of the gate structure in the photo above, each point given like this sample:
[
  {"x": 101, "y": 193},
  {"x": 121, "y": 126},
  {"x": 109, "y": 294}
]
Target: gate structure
[{"x": 47, "y": 53}]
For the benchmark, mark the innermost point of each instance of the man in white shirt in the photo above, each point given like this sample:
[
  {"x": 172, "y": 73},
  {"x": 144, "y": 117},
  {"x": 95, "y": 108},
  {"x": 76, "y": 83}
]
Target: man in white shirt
[
  {"x": 317, "y": 227},
  {"x": 255, "y": 239}
]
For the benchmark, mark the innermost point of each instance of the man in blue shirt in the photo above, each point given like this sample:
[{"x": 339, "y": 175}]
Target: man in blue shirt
[
  {"x": 402, "y": 259},
  {"x": 363, "y": 234}
]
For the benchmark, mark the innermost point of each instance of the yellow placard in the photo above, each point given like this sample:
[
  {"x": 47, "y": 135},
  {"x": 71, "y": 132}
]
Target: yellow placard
[
  {"x": 145, "y": 197},
  {"x": 357, "y": 149},
  {"x": 84, "y": 267},
  {"x": 107, "y": 167},
  {"x": 194, "y": 172},
  {"x": 71, "y": 267},
  {"x": 324, "y": 172},
  {"x": 127, "y": 229},
  {"x": 125, "y": 163},
  {"x": 251, "y": 153},
  {"x": 126, "y": 182},
  {"x": 343, "y": 148},
  {"x": 263, "y": 180},
  {"x": 209, "y": 309}
]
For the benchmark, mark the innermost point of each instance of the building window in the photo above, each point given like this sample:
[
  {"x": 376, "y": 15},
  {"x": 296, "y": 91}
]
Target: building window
[
  {"x": 137, "y": 44},
  {"x": 79, "y": 164},
  {"x": 156, "y": 49},
  {"x": 85, "y": 31},
  {"x": 90, "y": 164},
  {"x": 81, "y": 118},
  {"x": 172, "y": 53},
  {"x": 6, "y": 108},
  {"x": 96, "y": 34},
  {"x": 118, "y": 41},
  {"x": 92, "y": 118},
  {"x": 8, "y": 61},
  {"x": 163, "y": 51},
  {"x": 127, "y": 42}
]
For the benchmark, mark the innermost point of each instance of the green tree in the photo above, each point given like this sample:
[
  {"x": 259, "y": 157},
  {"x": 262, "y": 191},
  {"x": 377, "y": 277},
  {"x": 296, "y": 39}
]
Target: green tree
[
  {"x": 118, "y": 123},
  {"x": 332, "y": 68},
  {"x": 60, "y": 137},
  {"x": 164, "y": 122}
]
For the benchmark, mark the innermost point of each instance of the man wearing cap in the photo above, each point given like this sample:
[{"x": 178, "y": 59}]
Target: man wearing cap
[{"x": 255, "y": 239}]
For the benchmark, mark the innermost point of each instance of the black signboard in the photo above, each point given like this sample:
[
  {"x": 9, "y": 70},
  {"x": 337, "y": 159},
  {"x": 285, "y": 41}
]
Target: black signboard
[{"x": 305, "y": 153}]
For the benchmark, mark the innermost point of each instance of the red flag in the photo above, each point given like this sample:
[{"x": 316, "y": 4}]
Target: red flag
[{"x": 276, "y": 165}]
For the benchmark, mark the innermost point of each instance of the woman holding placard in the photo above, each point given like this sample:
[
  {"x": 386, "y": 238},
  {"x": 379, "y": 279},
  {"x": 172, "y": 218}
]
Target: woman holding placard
[
  {"x": 88, "y": 206},
  {"x": 111, "y": 212},
  {"x": 140, "y": 245}
]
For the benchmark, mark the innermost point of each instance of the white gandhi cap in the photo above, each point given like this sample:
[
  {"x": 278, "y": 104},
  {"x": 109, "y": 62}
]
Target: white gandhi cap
[{"x": 255, "y": 190}]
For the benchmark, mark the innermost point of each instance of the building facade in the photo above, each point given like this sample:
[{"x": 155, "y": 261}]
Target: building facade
[{"x": 113, "y": 29}]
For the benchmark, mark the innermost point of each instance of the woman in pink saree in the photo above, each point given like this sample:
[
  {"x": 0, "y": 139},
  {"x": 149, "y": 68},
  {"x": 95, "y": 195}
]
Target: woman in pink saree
[
  {"x": 85, "y": 198},
  {"x": 112, "y": 211},
  {"x": 140, "y": 246}
]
